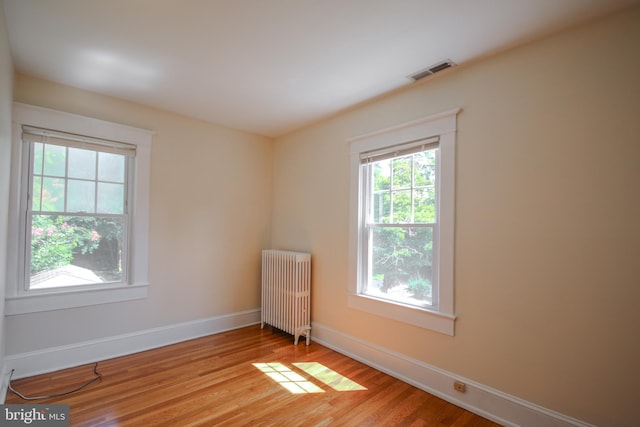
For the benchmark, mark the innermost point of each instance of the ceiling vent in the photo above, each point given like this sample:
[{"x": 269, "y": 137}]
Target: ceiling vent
[{"x": 432, "y": 70}]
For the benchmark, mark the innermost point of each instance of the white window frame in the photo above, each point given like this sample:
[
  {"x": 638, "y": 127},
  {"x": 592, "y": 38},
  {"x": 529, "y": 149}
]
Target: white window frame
[
  {"x": 441, "y": 318},
  {"x": 18, "y": 299}
]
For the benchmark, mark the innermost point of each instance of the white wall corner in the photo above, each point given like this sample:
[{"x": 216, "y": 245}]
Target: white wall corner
[
  {"x": 56, "y": 358},
  {"x": 485, "y": 401}
]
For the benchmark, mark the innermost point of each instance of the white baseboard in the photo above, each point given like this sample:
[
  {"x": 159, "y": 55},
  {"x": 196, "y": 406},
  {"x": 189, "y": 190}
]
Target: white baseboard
[
  {"x": 493, "y": 404},
  {"x": 56, "y": 358}
]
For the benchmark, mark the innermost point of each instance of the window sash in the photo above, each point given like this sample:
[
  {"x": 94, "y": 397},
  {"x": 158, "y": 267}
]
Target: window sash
[
  {"x": 124, "y": 255},
  {"x": 368, "y": 187},
  {"x": 367, "y": 250},
  {"x": 96, "y": 181}
]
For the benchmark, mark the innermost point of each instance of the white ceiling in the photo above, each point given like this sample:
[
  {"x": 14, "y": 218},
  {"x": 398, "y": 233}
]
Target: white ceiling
[{"x": 268, "y": 66}]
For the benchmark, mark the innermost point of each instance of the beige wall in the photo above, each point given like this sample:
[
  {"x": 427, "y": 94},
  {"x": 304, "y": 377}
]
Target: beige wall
[
  {"x": 6, "y": 94},
  {"x": 210, "y": 206},
  {"x": 547, "y": 220}
]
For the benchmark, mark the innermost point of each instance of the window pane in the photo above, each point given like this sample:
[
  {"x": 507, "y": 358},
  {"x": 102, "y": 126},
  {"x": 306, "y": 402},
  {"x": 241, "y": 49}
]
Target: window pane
[
  {"x": 36, "y": 193},
  {"x": 424, "y": 202},
  {"x": 75, "y": 250},
  {"x": 110, "y": 198},
  {"x": 82, "y": 164},
  {"x": 54, "y": 160},
  {"x": 37, "y": 158},
  {"x": 382, "y": 175},
  {"x": 81, "y": 196},
  {"x": 111, "y": 167},
  {"x": 382, "y": 207},
  {"x": 53, "y": 194},
  {"x": 402, "y": 264},
  {"x": 401, "y": 172},
  {"x": 425, "y": 168},
  {"x": 402, "y": 206}
]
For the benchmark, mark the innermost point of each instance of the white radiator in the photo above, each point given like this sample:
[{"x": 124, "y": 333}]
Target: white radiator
[{"x": 286, "y": 292}]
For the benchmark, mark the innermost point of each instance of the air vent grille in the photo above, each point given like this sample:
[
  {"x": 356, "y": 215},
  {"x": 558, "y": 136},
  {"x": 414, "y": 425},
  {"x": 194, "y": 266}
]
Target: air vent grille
[{"x": 432, "y": 70}]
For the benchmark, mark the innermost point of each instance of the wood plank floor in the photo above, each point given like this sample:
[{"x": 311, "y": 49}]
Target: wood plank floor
[{"x": 213, "y": 381}]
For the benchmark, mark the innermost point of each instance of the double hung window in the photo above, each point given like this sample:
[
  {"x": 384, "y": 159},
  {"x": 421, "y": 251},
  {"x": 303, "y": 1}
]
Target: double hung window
[
  {"x": 402, "y": 222},
  {"x": 80, "y": 207}
]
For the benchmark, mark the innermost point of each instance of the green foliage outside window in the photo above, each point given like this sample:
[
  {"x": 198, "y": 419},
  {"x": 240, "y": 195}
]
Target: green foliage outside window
[
  {"x": 55, "y": 239},
  {"x": 404, "y": 193},
  {"x": 72, "y": 180}
]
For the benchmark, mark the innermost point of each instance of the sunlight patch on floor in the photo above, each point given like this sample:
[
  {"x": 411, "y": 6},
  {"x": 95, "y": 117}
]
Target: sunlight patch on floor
[
  {"x": 292, "y": 381},
  {"x": 329, "y": 377},
  {"x": 298, "y": 384}
]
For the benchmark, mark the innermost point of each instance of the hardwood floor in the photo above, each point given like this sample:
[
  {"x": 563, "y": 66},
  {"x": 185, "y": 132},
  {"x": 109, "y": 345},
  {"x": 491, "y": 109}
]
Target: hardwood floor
[{"x": 213, "y": 381}]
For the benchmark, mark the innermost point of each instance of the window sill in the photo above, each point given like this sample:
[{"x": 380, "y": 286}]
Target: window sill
[
  {"x": 427, "y": 319},
  {"x": 38, "y": 302}
]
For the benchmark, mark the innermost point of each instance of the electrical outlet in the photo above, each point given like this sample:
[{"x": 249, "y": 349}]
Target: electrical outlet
[{"x": 460, "y": 386}]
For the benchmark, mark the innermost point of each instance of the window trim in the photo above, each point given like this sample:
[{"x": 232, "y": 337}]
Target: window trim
[
  {"x": 18, "y": 300},
  {"x": 442, "y": 125}
]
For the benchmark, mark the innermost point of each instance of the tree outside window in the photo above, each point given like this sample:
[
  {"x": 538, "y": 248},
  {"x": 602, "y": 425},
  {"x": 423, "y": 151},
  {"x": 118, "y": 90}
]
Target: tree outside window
[{"x": 401, "y": 216}]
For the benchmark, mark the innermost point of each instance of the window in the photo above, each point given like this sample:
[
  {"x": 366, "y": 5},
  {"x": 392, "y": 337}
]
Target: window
[
  {"x": 77, "y": 218},
  {"x": 402, "y": 222},
  {"x": 82, "y": 211}
]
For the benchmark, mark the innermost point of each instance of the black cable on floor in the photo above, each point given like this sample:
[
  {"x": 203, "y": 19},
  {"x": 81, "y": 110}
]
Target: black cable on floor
[{"x": 22, "y": 396}]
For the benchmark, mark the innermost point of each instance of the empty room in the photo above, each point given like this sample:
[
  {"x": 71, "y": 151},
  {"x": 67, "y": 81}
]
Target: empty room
[{"x": 296, "y": 212}]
